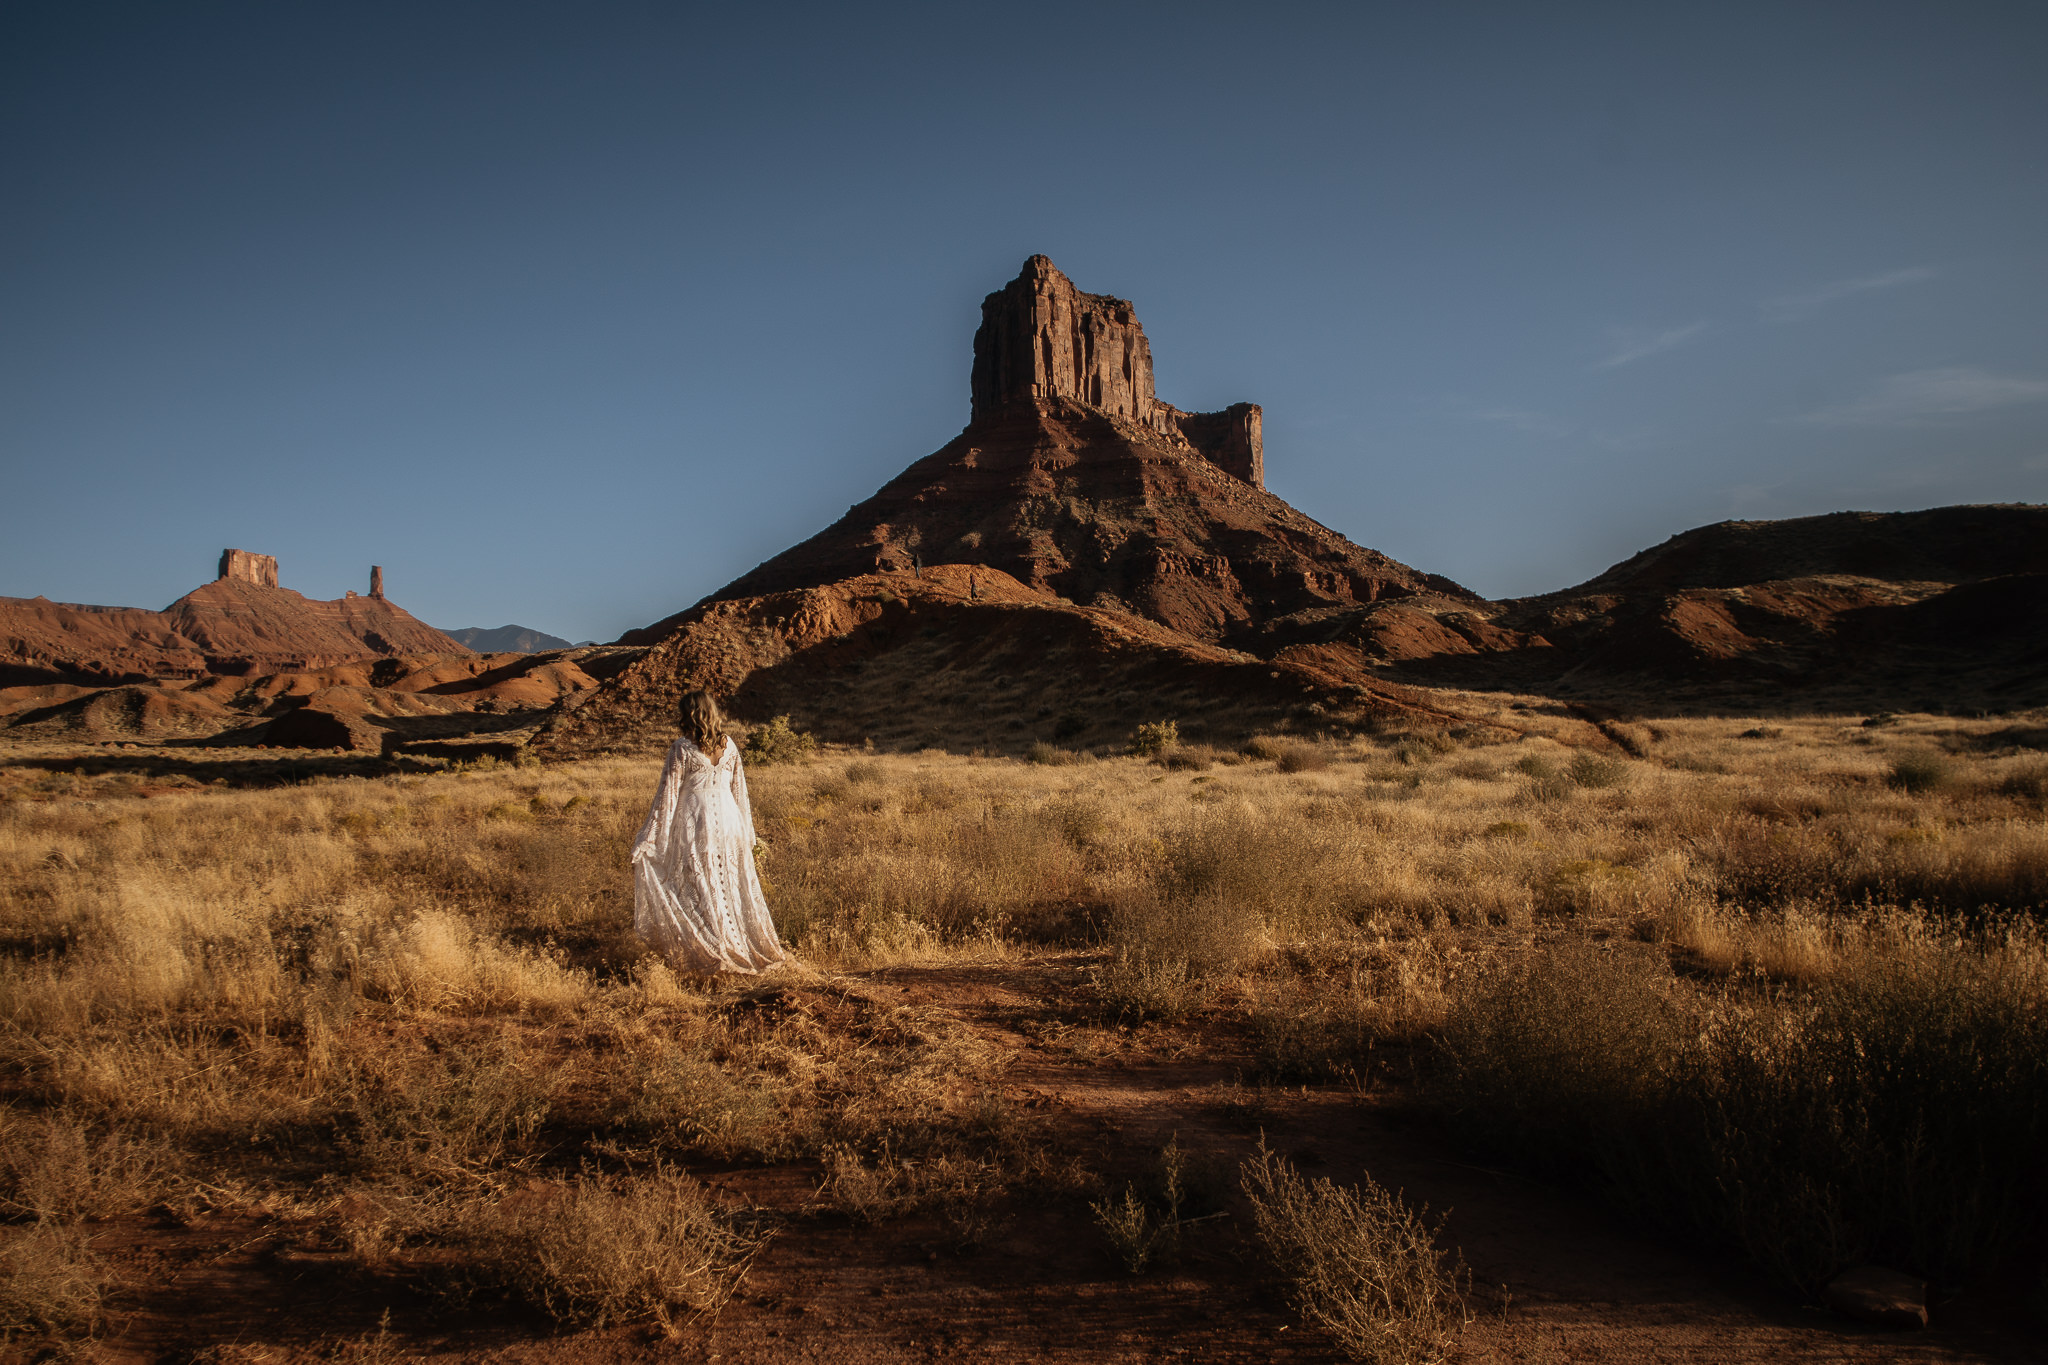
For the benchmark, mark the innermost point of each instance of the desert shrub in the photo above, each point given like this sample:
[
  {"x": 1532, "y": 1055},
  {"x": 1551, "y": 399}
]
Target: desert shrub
[
  {"x": 1563, "y": 1049},
  {"x": 1890, "y": 1114},
  {"x": 54, "y": 1167},
  {"x": 961, "y": 1187},
  {"x": 438, "y": 960},
  {"x": 1051, "y": 755},
  {"x": 1267, "y": 747},
  {"x": 1132, "y": 1230},
  {"x": 1359, "y": 1263},
  {"x": 1148, "y": 1226},
  {"x": 592, "y": 1252},
  {"x": 866, "y": 773},
  {"x": 1154, "y": 737},
  {"x": 2029, "y": 783},
  {"x": 1132, "y": 988},
  {"x": 1070, "y": 724},
  {"x": 1547, "y": 782},
  {"x": 1190, "y": 760},
  {"x": 446, "y": 1117},
  {"x": 1299, "y": 1034},
  {"x": 688, "y": 1100},
  {"x": 1302, "y": 758},
  {"x": 1080, "y": 820},
  {"x": 1921, "y": 772},
  {"x": 1596, "y": 770},
  {"x": 779, "y": 742},
  {"x": 50, "y": 1281}
]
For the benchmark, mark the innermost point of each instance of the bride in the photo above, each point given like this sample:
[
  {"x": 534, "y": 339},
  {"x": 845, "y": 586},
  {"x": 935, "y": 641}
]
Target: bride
[{"x": 696, "y": 897}]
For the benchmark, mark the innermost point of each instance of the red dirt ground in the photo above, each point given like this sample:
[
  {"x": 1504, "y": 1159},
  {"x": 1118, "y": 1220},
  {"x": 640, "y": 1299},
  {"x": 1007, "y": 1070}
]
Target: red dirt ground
[{"x": 1556, "y": 1279}]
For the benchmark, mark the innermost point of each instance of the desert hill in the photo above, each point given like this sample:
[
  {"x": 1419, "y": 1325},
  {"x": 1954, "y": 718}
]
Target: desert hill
[
  {"x": 242, "y": 661},
  {"x": 1073, "y": 478},
  {"x": 507, "y": 639},
  {"x": 1941, "y": 545},
  {"x": 240, "y": 623},
  {"x": 970, "y": 654},
  {"x": 1934, "y": 609},
  {"x": 448, "y": 704}
]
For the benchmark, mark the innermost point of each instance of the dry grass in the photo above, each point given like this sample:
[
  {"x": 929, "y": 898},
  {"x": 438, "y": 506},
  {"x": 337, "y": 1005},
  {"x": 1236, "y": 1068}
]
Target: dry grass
[
  {"x": 50, "y": 1281},
  {"x": 1359, "y": 1263},
  {"x": 379, "y": 976},
  {"x": 592, "y": 1252}
]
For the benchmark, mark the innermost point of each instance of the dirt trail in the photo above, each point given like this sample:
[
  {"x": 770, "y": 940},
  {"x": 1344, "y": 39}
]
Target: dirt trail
[
  {"x": 1581, "y": 1286},
  {"x": 1042, "y": 1285}
]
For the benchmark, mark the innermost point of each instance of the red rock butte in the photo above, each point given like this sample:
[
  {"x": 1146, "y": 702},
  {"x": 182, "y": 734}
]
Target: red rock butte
[{"x": 1075, "y": 479}]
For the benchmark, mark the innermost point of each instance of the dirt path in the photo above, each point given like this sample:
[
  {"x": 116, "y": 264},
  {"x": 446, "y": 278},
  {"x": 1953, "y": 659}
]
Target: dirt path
[{"x": 1556, "y": 1280}]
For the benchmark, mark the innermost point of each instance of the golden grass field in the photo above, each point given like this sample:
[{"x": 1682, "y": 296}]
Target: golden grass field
[{"x": 1773, "y": 987}]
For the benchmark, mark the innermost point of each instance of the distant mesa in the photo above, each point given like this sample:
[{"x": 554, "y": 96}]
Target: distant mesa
[
  {"x": 242, "y": 661},
  {"x": 507, "y": 639},
  {"x": 241, "y": 623}
]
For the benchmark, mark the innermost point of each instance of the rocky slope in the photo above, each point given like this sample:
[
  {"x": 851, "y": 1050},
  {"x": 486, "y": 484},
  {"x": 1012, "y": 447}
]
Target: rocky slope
[
  {"x": 1933, "y": 609},
  {"x": 967, "y": 657}
]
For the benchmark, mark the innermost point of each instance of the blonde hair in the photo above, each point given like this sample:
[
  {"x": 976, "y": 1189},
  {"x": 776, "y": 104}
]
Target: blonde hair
[{"x": 702, "y": 722}]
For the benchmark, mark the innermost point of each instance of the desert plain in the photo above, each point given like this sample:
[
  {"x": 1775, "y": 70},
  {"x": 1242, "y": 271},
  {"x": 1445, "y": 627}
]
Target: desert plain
[{"x": 1211, "y": 940}]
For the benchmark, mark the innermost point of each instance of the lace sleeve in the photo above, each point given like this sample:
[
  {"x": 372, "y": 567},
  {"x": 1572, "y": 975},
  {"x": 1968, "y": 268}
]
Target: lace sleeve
[{"x": 662, "y": 813}]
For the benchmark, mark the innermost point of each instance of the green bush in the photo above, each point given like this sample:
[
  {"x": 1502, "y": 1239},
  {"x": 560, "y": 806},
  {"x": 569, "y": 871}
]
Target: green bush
[
  {"x": 1154, "y": 737},
  {"x": 779, "y": 742}
]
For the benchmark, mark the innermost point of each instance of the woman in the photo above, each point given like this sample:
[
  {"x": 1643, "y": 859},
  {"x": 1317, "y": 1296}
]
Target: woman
[{"x": 695, "y": 895}]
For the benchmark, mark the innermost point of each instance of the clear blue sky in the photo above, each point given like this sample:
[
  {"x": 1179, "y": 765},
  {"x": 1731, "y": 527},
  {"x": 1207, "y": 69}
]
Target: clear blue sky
[{"x": 567, "y": 314}]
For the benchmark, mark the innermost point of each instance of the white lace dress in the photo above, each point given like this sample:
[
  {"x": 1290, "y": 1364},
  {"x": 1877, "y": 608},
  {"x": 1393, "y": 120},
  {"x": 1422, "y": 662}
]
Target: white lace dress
[{"x": 696, "y": 897}]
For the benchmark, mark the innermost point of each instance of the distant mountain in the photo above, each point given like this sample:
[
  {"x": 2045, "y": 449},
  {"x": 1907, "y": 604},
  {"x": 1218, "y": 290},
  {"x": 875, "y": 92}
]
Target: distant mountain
[{"x": 507, "y": 640}]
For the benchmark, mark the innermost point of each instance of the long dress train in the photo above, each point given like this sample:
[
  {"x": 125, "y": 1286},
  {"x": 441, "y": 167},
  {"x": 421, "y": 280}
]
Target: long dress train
[{"x": 696, "y": 896}]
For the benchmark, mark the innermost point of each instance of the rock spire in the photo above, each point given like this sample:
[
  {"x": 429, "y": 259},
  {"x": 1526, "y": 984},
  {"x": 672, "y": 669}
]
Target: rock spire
[{"x": 1041, "y": 340}]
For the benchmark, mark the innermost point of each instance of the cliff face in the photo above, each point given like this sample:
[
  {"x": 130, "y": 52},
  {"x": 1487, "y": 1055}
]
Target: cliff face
[
  {"x": 1075, "y": 479},
  {"x": 1041, "y": 339}
]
